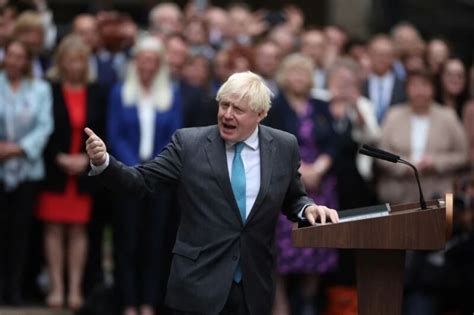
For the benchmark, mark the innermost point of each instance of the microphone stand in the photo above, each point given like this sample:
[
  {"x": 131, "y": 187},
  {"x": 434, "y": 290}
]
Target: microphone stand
[
  {"x": 390, "y": 157},
  {"x": 422, "y": 199}
]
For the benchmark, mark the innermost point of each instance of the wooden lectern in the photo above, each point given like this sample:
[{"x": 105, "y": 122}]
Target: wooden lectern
[{"x": 380, "y": 243}]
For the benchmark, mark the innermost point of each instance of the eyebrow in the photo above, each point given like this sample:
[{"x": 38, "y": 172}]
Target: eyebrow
[{"x": 228, "y": 103}]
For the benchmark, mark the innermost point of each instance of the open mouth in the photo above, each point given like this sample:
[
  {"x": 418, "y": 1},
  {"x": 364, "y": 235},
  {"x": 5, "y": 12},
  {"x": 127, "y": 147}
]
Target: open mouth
[{"x": 228, "y": 127}]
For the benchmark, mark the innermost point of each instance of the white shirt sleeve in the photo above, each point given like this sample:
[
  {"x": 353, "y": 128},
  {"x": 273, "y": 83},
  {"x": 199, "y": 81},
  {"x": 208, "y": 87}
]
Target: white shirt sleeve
[{"x": 96, "y": 170}]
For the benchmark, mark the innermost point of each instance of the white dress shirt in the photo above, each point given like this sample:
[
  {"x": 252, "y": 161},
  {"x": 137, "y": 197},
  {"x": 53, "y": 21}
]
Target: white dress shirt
[
  {"x": 380, "y": 92},
  {"x": 146, "y": 117}
]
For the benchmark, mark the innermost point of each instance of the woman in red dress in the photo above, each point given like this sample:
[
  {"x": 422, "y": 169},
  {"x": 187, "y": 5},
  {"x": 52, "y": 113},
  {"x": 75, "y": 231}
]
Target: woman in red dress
[{"x": 66, "y": 201}]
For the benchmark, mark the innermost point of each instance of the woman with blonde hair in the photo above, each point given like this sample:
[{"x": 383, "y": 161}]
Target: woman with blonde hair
[
  {"x": 66, "y": 200},
  {"x": 295, "y": 111},
  {"x": 144, "y": 111},
  {"x": 30, "y": 30}
]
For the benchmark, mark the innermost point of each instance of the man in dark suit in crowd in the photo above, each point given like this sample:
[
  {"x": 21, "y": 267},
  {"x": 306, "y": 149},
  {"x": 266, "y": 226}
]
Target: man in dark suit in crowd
[
  {"x": 383, "y": 87},
  {"x": 232, "y": 180}
]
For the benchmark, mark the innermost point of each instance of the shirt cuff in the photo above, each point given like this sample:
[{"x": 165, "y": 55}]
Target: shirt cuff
[
  {"x": 301, "y": 213},
  {"x": 97, "y": 169}
]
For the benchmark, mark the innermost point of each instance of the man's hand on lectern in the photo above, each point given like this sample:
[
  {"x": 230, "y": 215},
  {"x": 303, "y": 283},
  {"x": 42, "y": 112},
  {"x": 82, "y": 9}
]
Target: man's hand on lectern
[{"x": 313, "y": 212}]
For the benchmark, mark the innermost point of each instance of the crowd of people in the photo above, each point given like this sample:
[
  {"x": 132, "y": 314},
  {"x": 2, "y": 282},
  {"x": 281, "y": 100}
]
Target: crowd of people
[{"x": 135, "y": 85}]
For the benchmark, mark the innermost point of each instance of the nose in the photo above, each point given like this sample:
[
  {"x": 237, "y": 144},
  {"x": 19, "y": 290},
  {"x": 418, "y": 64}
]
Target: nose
[{"x": 228, "y": 113}]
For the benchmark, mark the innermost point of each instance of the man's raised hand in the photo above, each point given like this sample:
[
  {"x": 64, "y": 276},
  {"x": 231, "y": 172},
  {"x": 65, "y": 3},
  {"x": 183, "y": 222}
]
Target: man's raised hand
[{"x": 95, "y": 148}]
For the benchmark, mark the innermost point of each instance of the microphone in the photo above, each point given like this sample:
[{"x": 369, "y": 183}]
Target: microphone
[
  {"x": 390, "y": 157},
  {"x": 374, "y": 149},
  {"x": 378, "y": 155}
]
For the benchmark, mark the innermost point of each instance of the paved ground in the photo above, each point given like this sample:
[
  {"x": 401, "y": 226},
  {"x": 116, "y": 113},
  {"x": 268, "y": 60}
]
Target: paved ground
[{"x": 33, "y": 311}]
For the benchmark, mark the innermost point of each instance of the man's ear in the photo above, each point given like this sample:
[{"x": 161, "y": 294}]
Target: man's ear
[{"x": 261, "y": 115}]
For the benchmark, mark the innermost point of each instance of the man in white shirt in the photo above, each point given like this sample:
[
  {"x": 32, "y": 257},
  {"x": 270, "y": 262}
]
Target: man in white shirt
[
  {"x": 232, "y": 180},
  {"x": 313, "y": 45},
  {"x": 383, "y": 88}
]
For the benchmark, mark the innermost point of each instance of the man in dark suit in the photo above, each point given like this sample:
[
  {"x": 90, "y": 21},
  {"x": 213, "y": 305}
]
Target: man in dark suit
[
  {"x": 383, "y": 87},
  {"x": 232, "y": 180}
]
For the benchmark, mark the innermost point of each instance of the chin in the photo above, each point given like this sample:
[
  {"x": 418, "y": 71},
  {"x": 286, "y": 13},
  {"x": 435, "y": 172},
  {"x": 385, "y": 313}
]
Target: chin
[{"x": 226, "y": 137}]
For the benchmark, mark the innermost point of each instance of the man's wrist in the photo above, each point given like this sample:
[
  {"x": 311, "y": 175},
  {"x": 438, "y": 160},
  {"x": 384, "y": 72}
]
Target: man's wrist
[
  {"x": 97, "y": 169},
  {"x": 101, "y": 163},
  {"x": 302, "y": 213}
]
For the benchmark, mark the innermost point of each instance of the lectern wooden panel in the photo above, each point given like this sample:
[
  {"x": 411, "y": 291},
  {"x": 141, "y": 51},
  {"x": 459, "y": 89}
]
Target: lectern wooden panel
[{"x": 380, "y": 244}]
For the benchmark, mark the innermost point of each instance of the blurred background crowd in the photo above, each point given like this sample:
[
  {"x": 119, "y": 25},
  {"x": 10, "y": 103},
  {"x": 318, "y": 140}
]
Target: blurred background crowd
[{"x": 135, "y": 72}]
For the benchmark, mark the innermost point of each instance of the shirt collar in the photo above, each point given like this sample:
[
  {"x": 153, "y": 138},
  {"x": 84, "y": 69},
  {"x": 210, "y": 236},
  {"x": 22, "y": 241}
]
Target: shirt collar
[
  {"x": 251, "y": 141},
  {"x": 387, "y": 76}
]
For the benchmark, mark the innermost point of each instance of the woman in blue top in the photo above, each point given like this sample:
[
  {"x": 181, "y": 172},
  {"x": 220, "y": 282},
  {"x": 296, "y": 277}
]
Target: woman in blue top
[
  {"x": 144, "y": 111},
  {"x": 26, "y": 122}
]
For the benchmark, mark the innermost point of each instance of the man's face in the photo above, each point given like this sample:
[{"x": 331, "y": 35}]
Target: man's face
[
  {"x": 235, "y": 119},
  {"x": 267, "y": 59},
  {"x": 33, "y": 40},
  {"x": 7, "y": 22},
  {"x": 87, "y": 29},
  {"x": 176, "y": 56},
  {"x": 314, "y": 45},
  {"x": 196, "y": 71},
  {"x": 382, "y": 54},
  {"x": 167, "y": 21}
]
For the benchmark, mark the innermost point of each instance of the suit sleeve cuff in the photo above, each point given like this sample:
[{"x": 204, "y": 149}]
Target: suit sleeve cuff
[
  {"x": 301, "y": 215},
  {"x": 97, "y": 170}
]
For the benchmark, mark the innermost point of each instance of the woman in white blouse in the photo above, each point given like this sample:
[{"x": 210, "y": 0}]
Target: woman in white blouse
[{"x": 426, "y": 134}]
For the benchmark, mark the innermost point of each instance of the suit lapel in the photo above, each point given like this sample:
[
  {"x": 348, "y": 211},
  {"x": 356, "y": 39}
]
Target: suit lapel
[
  {"x": 266, "y": 167},
  {"x": 397, "y": 89},
  {"x": 217, "y": 159}
]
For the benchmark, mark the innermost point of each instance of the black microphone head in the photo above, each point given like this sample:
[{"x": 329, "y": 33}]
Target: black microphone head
[
  {"x": 378, "y": 155},
  {"x": 374, "y": 149}
]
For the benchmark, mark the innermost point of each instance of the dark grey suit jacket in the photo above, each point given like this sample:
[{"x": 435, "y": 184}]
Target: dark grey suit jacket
[
  {"x": 211, "y": 236},
  {"x": 398, "y": 92}
]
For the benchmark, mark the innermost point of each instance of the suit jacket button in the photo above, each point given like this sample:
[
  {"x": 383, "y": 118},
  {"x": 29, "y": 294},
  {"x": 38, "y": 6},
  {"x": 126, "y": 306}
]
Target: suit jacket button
[{"x": 234, "y": 258}]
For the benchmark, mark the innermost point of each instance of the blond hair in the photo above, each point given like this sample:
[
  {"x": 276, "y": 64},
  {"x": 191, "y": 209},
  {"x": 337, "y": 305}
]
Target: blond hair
[
  {"x": 292, "y": 61},
  {"x": 248, "y": 86},
  {"x": 161, "y": 89},
  {"x": 27, "y": 21},
  {"x": 345, "y": 63},
  {"x": 70, "y": 44}
]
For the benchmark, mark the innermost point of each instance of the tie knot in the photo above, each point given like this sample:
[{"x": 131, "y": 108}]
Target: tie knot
[{"x": 239, "y": 146}]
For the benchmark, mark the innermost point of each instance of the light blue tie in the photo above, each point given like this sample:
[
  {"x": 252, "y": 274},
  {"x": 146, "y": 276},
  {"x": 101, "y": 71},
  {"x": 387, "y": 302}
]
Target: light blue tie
[
  {"x": 380, "y": 101},
  {"x": 238, "y": 187}
]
